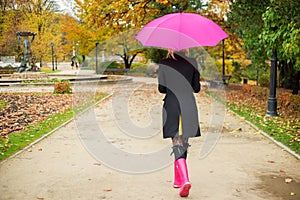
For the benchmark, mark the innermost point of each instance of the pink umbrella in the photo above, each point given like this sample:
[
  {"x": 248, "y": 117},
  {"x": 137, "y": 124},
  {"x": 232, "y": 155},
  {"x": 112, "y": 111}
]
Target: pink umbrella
[{"x": 180, "y": 31}]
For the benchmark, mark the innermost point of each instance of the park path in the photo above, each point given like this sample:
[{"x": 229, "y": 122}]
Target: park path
[{"x": 243, "y": 165}]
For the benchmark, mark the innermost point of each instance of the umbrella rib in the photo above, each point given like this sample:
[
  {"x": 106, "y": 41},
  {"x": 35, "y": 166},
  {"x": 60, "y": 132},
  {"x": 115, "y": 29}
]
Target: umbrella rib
[
  {"x": 154, "y": 27},
  {"x": 179, "y": 29}
]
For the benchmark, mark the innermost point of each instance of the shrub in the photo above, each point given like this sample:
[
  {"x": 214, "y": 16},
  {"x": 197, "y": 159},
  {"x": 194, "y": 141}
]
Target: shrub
[
  {"x": 104, "y": 67},
  {"x": 54, "y": 80},
  {"x": 139, "y": 68},
  {"x": 264, "y": 80},
  {"x": 63, "y": 87}
]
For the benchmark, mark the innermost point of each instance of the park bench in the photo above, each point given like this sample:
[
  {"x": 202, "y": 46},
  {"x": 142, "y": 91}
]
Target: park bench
[
  {"x": 218, "y": 83},
  {"x": 214, "y": 83}
]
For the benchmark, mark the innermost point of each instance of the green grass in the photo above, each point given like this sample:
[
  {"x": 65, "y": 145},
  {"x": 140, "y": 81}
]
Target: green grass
[
  {"x": 53, "y": 80},
  {"x": 16, "y": 141},
  {"x": 284, "y": 133},
  {"x": 2, "y": 104},
  {"x": 49, "y": 71},
  {"x": 282, "y": 130}
]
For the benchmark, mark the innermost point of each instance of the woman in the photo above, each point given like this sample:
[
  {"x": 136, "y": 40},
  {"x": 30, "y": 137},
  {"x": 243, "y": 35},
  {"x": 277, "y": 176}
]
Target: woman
[{"x": 178, "y": 78}]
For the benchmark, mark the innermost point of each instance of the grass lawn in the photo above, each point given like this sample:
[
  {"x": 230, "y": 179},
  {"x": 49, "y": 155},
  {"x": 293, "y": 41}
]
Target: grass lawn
[
  {"x": 250, "y": 102},
  {"x": 48, "y": 70},
  {"x": 16, "y": 141}
]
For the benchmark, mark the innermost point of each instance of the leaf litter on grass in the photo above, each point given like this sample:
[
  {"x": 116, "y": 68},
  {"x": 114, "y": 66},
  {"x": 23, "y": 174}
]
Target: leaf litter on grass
[{"x": 251, "y": 101}]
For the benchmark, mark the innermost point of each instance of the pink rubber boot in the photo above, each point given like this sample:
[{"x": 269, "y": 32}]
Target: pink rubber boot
[
  {"x": 177, "y": 179},
  {"x": 183, "y": 171}
]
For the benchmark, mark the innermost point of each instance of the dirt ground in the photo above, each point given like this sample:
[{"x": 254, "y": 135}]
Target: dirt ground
[{"x": 77, "y": 162}]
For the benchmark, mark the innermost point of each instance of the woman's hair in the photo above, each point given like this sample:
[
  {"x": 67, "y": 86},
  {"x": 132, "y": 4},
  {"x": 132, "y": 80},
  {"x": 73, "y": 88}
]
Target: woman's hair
[
  {"x": 171, "y": 53},
  {"x": 186, "y": 52}
]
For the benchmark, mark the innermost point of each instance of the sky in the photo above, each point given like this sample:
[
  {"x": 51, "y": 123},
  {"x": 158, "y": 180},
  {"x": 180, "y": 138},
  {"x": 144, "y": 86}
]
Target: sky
[{"x": 66, "y": 6}]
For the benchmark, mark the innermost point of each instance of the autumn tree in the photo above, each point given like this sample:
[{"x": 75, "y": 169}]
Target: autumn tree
[
  {"x": 71, "y": 35},
  {"x": 217, "y": 11},
  {"x": 281, "y": 32},
  {"x": 130, "y": 48},
  {"x": 40, "y": 12},
  {"x": 30, "y": 15},
  {"x": 9, "y": 19},
  {"x": 100, "y": 20},
  {"x": 272, "y": 25},
  {"x": 39, "y": 16}
]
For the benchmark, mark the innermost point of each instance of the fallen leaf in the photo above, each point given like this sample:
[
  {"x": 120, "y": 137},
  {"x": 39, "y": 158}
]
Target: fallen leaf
[
  {"x": 293, "y": 194},
  {"x": 98, "y": 164},
  {"x": 236, "y": 130},
  {"x": 271, "y": 161},
  {"x": 40, "y": 149},
  {"x": 27, "y": 108},
  {"x": 288, "y": 180},
  {"x": 282, "y": 171},
  {"x": 107, "y": 190}
]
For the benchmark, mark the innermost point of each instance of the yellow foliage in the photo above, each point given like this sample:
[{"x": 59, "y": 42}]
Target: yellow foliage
[
  {"x": 162, "y": 1},
  {"x": 228, "y": 66}
]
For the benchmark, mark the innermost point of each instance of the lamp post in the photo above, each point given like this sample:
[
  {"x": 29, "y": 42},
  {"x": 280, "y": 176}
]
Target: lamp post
[
  {"x": 97, "y": 70},
  {"x": 52, "y": 51},
  {"x": 55, "y": 62},
  {"x": 74, "y": 51},
  {"x": 272, "y": 101},
  {"x": 77, "y": 49},
  {"x": 223, "y": 59}
]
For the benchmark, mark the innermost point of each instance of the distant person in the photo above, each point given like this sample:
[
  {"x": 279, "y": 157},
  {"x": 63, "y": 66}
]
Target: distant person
[
  {"x": 74, "y": 62},
  {"x": 83, "y": 63},
  {"x": 179, "y": 78}
]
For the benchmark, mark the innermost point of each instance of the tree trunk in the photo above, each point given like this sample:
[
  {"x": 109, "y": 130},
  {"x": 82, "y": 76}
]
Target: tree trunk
[
  {"x": 288, "y": 76},
  {"x": 295, "y": 84},
  {"x": 41, "y": 62},
  {"x": 126, "y": 62}
]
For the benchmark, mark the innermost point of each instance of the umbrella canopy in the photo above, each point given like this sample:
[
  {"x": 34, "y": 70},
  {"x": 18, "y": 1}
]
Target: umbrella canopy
[{"x": 180, "y": 31}]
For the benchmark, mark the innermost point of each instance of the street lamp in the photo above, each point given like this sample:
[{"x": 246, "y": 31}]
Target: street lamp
[
  {"x": 223, "y": 61},
  {"x": 97, "y": 70},
  {"x": 74, "y": 51},
  {"x": 55, "y": 56},
  {"x": 77, "y": 49},
  {"x": 272, "y": 101},
  {"x": 52, "y": 51}
]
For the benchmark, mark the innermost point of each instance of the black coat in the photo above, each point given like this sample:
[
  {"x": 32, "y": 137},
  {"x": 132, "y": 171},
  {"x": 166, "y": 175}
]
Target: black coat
[{"x": 178, "y": 79}]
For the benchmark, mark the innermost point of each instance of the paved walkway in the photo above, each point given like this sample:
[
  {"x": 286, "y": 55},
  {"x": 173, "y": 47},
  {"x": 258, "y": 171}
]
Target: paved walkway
[{"x": 101, "y": 155}]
